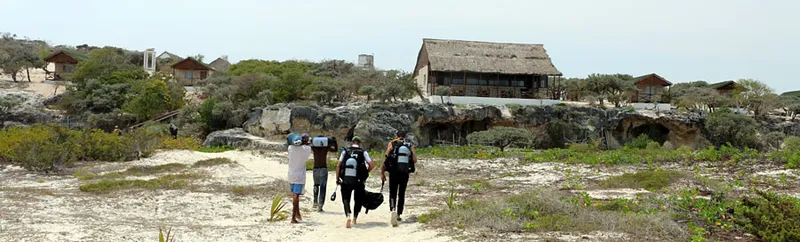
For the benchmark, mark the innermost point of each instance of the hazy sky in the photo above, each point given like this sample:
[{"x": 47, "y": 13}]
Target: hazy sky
[{"x": 681, "y": 40}]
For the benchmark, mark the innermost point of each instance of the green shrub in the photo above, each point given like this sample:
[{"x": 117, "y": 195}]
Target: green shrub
[
  {"x": 640, "y": 142},
  {"x": 216, "y": 149},
  {"x": 791, "y": 143},
  {"x": 738, "y": 130},
  {"x": 652, "y": 145},
  {"x": 772, "y": 217},
  {"x": 773, "y": 140},
  {"x": 102, "y": 146},
  {"x": 183, "y": 143},
  {"x": 500, "y": 137}
]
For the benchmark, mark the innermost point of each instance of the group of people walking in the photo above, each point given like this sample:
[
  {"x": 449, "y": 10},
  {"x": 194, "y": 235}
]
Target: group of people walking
[{"x": 352, "y": 171}]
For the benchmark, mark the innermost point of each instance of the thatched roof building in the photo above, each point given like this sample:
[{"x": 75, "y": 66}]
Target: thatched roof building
[{"x": 485, "y": 57}]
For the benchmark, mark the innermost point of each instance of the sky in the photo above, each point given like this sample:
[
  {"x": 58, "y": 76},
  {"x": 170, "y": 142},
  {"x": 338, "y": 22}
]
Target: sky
[{"x": 680, "y": 40}]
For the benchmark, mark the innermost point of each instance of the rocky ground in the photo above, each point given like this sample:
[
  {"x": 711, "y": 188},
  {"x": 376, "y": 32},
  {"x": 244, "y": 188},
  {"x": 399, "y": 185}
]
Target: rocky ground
[{"x": 38, "y": 207}]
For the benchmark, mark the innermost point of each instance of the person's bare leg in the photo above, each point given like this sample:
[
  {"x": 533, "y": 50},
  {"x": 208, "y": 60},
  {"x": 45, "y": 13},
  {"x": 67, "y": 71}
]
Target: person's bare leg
[{"x": 295, "y": 208}]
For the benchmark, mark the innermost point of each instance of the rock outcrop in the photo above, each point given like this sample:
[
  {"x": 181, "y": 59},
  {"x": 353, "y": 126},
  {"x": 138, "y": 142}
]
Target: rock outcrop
[
  {"x": 430, "y": 124},
  {"x": 18, "y": 108},
  {"x": 240, "y": 139}
]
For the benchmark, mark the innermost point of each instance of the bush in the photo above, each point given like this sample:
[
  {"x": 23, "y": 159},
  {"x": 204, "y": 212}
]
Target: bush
[
  {"x": 500, "y": 137},
  {"x": 640, "y": 142},
  {"x": 725, "y": 127},
  {"x": 791, "y": 143},
  {"x": 772, "y": 217},
  {"x": 186, "y": 143},
  {"x": 101, "y": 146},
  {"x": 773, "y": 140}
]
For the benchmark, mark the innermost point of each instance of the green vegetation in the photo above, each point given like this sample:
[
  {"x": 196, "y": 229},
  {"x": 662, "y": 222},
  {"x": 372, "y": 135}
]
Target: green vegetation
[
  {"x": 276, "y": 212},
  {"x": 164, "y": 182},
  {"x": 772, "y": 217},
  {"x": 167, "y": 238},
  {"x": 181, "y": 143},
  {"x": 500, "y": 137},
  {"x": 216, "y": 149},
  {"x": 331, "y": 164},
  {"x": 49, "y": 147},
  {"x": 213, "y": 162},
  {"x": 650, "y": 180},
  {"x": 460, "y": 152},
  {"x": 542, "y": 211}
]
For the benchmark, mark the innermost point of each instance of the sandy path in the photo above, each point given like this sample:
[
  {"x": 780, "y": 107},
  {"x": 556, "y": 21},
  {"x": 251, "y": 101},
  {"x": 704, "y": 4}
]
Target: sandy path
[
  {"x": 70, "y": 215},
  {"x": 330, "y": 224}
]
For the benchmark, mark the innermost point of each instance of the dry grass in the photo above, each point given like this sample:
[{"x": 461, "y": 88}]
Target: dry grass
[
  {"x": 133, "y": 171},
  {"x": 651, "y": 180},
  {"x": 213, "y": 162},
  {"x": 164, "y": 182},
  {"x": 545, "y": 211},
  {"x": 261, "y": 190},
  {"x": 28, "y": 191}
]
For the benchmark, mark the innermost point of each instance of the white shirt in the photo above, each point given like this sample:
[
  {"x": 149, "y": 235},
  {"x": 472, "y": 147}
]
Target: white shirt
[
  {"x": 298, "y": 155},
  {"x": 366, "y": 155}
]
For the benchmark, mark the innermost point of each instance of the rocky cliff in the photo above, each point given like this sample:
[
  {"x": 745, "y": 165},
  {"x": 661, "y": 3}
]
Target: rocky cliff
[
  {"x": 18, "y": 108},
  {"x": 431, "y": 124}
]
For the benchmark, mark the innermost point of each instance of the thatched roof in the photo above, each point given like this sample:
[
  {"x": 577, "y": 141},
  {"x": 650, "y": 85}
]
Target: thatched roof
[
  {"x": 487, "y": 57},
  {"x": 167, "y": 54}
]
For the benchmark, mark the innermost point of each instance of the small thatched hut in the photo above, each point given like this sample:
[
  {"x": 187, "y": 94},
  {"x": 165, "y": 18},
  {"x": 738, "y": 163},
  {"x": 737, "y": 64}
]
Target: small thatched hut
[{"x": 485, "y": 69}]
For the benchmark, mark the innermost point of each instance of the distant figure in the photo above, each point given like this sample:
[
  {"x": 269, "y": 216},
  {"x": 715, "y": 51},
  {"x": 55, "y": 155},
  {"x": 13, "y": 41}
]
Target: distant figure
[
  {"x": 299, "y": 152},
  {"x": 173, "y": 130},
  {"x": 117, "y": 131}
]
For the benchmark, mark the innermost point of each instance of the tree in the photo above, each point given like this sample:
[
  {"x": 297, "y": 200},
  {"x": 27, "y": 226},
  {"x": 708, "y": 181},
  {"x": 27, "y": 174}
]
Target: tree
[
  {"x": 12, "y": 55},
  {"x": 368, "y": 91},
  {"x": 151, "y": 98},
  {"x": 198, "y": 57},
  {"x": 575, "y": 88},
  {"x": 614, "y": 87},
  {"x": 500, "y": 137},
  {"x": 442, "y": 91},
  {"x": 723, "y": 127},
  {"x": 698, "y": 98},
  {"x": 755, "y": 96},
  {"x": 333, "y": 69},
  {"x": 101, "y": 62}
]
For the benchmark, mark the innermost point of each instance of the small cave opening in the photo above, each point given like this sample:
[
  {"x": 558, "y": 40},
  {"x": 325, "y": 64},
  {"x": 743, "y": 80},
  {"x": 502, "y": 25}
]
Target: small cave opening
[
  {"x": 451, "y": 133},
  {"x": 654, "y": 131}
]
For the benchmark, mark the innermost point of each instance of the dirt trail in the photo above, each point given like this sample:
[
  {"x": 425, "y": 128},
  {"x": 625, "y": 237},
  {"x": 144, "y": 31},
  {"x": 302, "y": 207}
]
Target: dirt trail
[
  {"x": 38, "y": 207},
  {"x": 330, "y": 224}
]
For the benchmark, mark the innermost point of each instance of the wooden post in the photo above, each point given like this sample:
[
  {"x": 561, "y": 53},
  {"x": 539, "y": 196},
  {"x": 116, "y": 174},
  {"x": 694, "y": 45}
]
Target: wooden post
[{"x": 465, "y": 82}]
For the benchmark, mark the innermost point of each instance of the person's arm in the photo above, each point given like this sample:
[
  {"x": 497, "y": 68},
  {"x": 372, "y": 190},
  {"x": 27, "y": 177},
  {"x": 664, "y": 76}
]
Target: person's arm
[
  {"x": 338, "y": 167},
  {"x": 413, "y": 154},
  {"x": 334, "y": 146},
  {"x": 389, "y": 147},
  {"x": 369, "y": 161}
]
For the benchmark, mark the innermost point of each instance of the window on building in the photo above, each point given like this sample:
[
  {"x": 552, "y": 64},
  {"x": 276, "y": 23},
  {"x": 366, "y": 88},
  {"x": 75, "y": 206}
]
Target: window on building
[
  {"x": 488, "y": 79},
  {"x": 69, "y": 68},
  {"x": 505, "y": 80},
  {"x": 458, "y": 78},
  {"x": 443, "y": 78},
  {"x": 543, "y": 82},
  {"x": 188, "y": 75},
  {"x": 473, "y": 79}
]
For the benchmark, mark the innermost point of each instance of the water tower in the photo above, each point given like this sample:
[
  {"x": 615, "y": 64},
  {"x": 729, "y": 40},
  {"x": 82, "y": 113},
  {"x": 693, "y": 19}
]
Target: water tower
[
  {"x": 150, "y": 61},
  {"x": 366, "y": 61}
]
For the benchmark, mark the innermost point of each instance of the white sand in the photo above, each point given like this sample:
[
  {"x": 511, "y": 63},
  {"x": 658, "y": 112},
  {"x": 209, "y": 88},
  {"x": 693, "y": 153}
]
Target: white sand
[{"x": 71, "y": 215}]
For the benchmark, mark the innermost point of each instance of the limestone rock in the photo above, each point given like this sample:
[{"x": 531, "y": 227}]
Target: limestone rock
[{"x": 240, "y": 139}]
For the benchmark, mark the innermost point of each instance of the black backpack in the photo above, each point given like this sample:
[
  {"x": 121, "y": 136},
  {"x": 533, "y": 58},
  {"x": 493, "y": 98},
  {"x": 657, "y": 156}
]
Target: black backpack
[
  {"x": 353, "y": 168},
  {"x": 402, "y": 157}
]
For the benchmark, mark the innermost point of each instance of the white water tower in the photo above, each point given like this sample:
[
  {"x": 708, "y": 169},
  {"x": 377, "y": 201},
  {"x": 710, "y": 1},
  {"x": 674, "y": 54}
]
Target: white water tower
[
  {"x": 150, "y": 61},
  {"x": 366, "y": 61}
]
